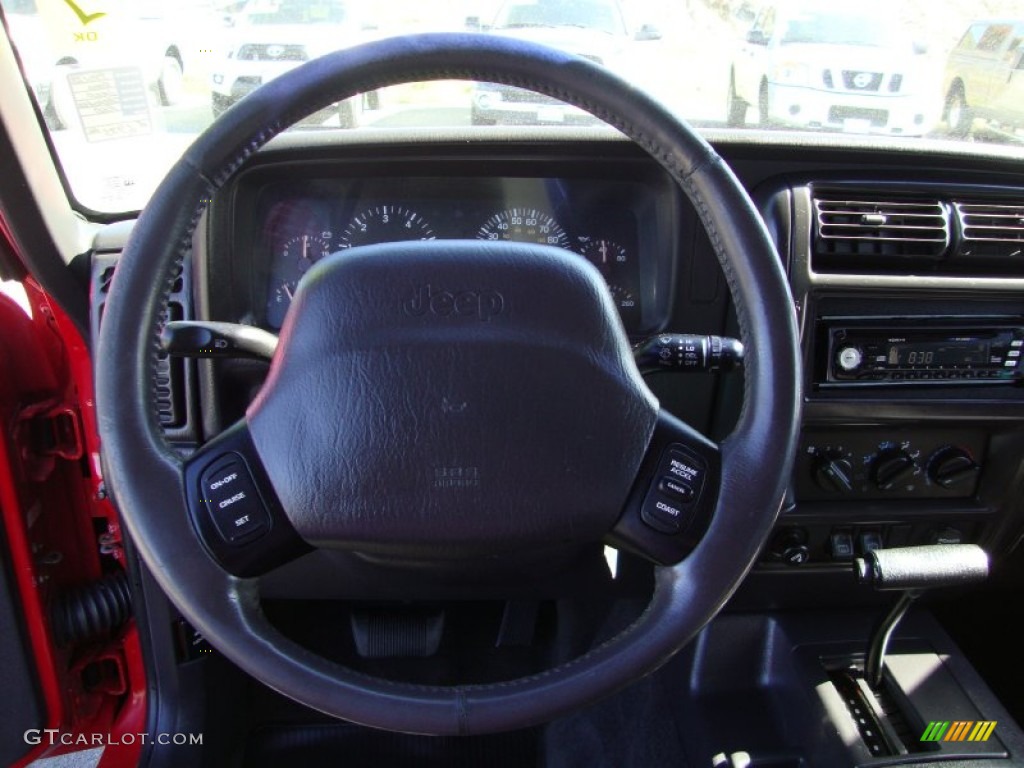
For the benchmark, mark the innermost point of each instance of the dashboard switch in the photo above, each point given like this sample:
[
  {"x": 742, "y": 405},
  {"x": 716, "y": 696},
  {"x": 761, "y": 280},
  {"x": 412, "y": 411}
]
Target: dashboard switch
[
  {"x": 234, "y": 504},
  {"x": 841, "y": 546},
  {"x": 869, "y": 541},
  {"x": 947, "y": 535}
]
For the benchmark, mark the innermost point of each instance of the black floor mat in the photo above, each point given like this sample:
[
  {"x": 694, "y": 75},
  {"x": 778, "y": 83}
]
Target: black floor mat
[{"x": 312, "y": 746}]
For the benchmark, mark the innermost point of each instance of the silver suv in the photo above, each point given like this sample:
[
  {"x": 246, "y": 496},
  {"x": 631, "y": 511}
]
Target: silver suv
[
  {"x": 270, "y": 37},
  {"x": 594, "y": 29},
  {"x": 804, "y": 65}
]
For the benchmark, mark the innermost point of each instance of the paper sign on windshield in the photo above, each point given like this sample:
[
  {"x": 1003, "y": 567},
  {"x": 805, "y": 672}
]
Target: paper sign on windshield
[{"x": 111, "y": 103}]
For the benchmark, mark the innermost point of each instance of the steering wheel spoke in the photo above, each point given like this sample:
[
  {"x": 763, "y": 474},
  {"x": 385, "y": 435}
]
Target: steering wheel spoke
[
  {"x": 672, "y": 501},
  {"x": 234, "y": 508}
]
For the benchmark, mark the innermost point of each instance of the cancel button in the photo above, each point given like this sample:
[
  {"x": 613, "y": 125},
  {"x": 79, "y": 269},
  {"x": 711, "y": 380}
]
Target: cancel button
[{"x": 676, "y": 489}]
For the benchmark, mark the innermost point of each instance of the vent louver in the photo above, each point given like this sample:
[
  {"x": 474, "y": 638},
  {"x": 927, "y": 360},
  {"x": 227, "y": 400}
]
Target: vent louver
[
  {"x": 991, "y": 229},
  {"x": 170, "y": 372},
  {"x": 855, "y": 231}
]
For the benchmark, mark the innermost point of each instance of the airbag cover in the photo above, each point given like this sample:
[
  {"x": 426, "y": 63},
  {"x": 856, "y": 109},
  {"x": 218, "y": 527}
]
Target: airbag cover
[{"x": 452, "y": 399}]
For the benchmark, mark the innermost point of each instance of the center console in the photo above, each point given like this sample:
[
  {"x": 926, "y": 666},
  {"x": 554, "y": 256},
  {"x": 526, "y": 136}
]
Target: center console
[
  {"x": 912, "y": 328},
  {"x": 911, "y": 313}
]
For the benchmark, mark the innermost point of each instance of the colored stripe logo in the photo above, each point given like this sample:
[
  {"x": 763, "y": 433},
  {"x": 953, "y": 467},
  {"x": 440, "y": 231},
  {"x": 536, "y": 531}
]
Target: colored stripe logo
[{"x": 958, "y": 730}]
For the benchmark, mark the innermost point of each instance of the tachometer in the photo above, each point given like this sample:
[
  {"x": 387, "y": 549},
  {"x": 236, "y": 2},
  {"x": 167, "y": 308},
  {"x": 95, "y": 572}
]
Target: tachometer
[
  {"x": 385, "y": 224},
  {"x": 524, "y": 225}
]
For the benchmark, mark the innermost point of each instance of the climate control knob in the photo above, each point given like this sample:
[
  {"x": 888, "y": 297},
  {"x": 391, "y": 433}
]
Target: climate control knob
[
  {"x": 891, "y": 467},
  {"x": 833, "y": 473},
  {"x": 952, "y": 468}
]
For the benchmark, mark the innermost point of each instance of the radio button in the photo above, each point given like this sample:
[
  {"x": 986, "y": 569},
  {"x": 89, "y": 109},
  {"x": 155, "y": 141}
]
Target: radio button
[{"x": 850, "y": 358}]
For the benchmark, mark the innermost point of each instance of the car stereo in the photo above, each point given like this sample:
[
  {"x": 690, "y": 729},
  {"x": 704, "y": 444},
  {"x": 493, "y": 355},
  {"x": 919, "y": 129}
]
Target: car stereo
[{"x": 926, "y": 351}]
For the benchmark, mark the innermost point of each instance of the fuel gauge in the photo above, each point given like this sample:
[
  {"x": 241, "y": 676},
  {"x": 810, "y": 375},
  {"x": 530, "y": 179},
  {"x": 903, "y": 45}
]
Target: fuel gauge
[{"x": 278, "y": 303}]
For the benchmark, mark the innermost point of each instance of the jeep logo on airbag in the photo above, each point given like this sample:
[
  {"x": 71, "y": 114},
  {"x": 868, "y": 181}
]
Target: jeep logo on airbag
[{"x": 483, "y": 305}]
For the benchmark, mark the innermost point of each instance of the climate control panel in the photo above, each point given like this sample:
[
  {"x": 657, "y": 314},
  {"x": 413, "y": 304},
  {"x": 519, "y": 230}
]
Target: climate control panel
[{"x": 888, "y": 464}]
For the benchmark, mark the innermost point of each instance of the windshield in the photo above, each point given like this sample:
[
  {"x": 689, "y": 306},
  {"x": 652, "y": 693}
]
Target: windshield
[{"x": 124, "y": 86}]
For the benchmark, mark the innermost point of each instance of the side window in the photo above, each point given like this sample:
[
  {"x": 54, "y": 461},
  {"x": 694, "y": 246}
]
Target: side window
[
  {"x": 1013, "y": 52},
  {"x": 972, "y": 36},
  {"x": 994, "y": 38}
]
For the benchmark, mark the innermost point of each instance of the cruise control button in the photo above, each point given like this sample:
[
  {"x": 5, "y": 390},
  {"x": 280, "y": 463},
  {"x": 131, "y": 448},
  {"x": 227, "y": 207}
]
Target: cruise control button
[
  {"x": 677, "y": 489},
  {"x": 675, "y": 492},
  {"x": 684, "y": 468},
  {"x": 232, "y": 500},
  {"x": 663, "y": 514}
]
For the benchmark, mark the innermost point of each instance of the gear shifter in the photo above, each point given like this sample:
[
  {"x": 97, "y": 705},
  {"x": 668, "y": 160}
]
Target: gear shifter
[{"x": 912, "y": 570}]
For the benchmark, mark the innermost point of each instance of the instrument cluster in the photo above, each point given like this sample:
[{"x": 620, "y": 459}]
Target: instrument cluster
[{"x": 598, "y": 220}]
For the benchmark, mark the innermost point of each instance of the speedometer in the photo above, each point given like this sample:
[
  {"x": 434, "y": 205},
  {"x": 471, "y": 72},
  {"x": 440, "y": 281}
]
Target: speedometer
[
  {"x": 524, "y": 225},
  {"x": 385, "y": 224}
]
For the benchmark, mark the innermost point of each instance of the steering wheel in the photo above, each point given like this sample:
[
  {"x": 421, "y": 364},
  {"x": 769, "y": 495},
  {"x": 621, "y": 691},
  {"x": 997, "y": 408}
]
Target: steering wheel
[{"x": 449, "y": 401}]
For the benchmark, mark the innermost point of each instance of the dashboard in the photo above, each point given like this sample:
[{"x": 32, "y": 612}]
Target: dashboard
[{"x": 913, "y": 417}]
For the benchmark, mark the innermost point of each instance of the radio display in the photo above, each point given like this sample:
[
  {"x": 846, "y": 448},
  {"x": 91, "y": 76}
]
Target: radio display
[{"x": 967, "y": 352}]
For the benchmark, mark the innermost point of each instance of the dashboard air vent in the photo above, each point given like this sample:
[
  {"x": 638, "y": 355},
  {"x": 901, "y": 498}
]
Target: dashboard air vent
[
  {"x": 991, "y": 229},
  {"x": 856, "y": 231},
  {"x": 170, "y": 372}
]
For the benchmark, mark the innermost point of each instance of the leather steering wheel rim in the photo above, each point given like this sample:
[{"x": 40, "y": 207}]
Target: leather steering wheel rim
[{"x": 144, "y": 474}]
